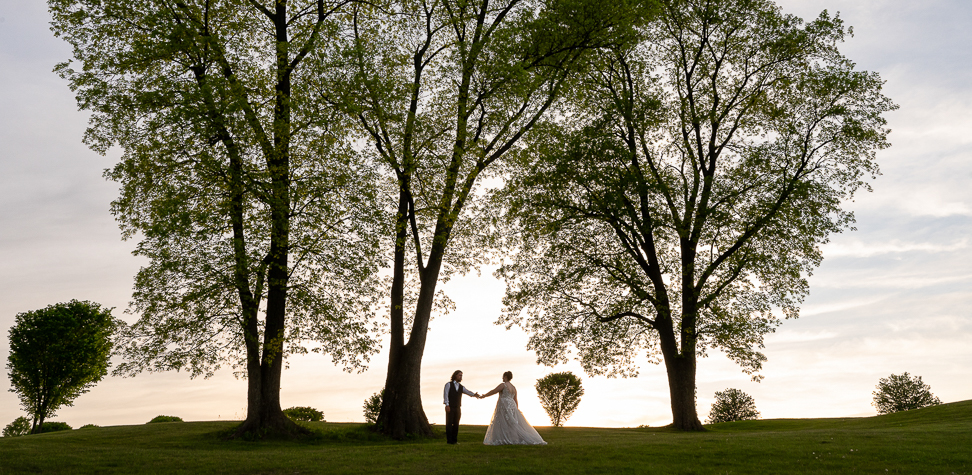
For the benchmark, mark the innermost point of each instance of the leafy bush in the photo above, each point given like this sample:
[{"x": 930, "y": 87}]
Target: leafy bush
[
  {"x": 304, "y": 413},
  {"x": 53, "y": 427},
  {"x": 88, "y": 426},
  {"x": 20, "y": 426},
  {"x": 372, "y": 406},
  {"x": 165, "y": 419},
  {"x": 560, "y": 394},
  {"x": 732, "y": 405},
  {"x": 902, "y": 393}
]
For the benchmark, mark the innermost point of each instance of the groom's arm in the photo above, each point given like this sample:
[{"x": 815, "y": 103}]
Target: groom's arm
[
  {"x": 445, "y": 394},
  {"x": 467, "y": 392}
]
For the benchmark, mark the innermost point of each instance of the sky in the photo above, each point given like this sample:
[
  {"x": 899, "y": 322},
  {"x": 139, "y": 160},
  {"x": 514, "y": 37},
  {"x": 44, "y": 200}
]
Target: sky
[{"x": 893, "y": 296}]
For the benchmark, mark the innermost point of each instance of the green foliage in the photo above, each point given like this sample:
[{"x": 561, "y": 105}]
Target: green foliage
[
  {"x": 680, "y": 200},
  {"x": 20, "y": 426},
  {"x": 89, "y": 426},
  {"x": 304, "y": 413},
  {"x": 165, "y": 419},
  {"x": 902, "y": 393},
  {"x": 53, "y": 427},
  {"x": 58, "y": 353},
  {"x": 372, "y": 407},
  {"x": 732, "y": 405},
  {"x": 560, "y": 394}
]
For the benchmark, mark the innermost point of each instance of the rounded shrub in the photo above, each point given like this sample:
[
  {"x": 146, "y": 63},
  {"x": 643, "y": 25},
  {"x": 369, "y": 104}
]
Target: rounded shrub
[
  {"x": 54, "y": 427},
  {"x": 304, "y": 413},
  {"x": 560, "y": 394},
  {"x": 20, "y": 426},
  {"x": 902, "y": 393},
  {"x": 88, "y": 426},
  {"x": 732, "y": 405},
  {"x": 165, "y": 419}
]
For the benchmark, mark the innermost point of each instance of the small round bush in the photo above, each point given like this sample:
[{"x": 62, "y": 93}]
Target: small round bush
[
  {"x": 372, "y": 406},
  {"x": 304, "y": 413},
  {"x": 88, "y": 426},
  {"x": 732, "y": 405},
  {"x": 165, "y": 419},
  {"x": 902, "y": 393},
  {"x": 560, "y": 394},
  {"x": 20, "y": 426},
  {"x": 54, "y": 427}
]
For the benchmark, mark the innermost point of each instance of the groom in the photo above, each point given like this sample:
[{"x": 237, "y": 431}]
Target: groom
[{"x": 452, "y": 398}]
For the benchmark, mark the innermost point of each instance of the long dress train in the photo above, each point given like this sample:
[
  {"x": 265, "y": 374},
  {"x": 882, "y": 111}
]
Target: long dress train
[{"x": 508, "y": 426}]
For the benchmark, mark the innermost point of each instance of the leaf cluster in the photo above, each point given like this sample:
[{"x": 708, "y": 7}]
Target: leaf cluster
[{"x": 188, "y": 91}]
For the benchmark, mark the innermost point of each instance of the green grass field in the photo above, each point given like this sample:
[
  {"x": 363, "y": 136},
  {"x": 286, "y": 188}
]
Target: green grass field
[{"x": 934, "y": 440}]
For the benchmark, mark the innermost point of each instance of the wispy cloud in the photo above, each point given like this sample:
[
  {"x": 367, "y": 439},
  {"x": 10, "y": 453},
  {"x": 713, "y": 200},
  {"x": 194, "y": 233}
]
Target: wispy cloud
[{"x": 860, "y": 248}]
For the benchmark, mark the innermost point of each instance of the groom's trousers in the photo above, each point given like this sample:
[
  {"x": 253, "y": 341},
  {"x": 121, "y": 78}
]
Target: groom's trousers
[{"x": 452, "y": 424}]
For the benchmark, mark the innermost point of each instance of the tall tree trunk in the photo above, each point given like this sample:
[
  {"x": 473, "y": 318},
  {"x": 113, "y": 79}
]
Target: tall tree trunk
[
  {"x": 680, "y": 367},
  {"x": 265, "y": 416},
  {"x": 401, "y": 412}
]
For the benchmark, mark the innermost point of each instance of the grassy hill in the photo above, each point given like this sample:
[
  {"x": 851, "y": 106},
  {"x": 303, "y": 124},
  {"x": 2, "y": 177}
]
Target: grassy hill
[{"x": 933, "y": 440}]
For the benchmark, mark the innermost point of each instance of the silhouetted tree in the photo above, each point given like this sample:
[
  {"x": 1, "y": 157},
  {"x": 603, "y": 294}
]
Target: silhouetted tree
[
  {"x": 902, "y": 392},
  {"x": 58, "y": 353},
  {"x": 732, "y": 405},
  {"x": 560, "y": 394},
  {"x": 680, "y": 201}
]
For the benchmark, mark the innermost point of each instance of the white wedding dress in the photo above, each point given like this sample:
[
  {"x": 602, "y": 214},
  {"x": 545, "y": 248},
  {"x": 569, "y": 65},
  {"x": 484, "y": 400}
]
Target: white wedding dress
[{"x": 508, "y": 426}]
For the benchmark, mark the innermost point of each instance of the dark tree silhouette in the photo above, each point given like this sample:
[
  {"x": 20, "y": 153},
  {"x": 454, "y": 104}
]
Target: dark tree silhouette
[{"x": 903, "y": 392}]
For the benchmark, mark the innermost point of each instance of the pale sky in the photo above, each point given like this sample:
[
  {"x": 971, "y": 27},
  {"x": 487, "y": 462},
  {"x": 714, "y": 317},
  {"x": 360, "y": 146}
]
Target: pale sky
[{"x": 893, "y": 296}]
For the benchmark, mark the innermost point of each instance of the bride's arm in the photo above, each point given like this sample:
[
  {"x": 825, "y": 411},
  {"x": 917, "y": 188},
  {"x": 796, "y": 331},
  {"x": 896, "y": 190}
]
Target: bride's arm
[{"x": 494, "y": 391}]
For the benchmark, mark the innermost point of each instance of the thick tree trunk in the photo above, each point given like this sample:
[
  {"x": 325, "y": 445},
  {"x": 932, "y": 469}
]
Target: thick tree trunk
[
  {"x": 681, "y": 389},
  {"x": 401, "y": 413}
]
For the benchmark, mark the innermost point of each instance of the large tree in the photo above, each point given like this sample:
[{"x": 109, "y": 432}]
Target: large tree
[
  {"x": 444, "y": 89},
  {"x": 58, "y": 353},
  {"x": 257, "y": 220},
  {"x": 682, "y": 201}
]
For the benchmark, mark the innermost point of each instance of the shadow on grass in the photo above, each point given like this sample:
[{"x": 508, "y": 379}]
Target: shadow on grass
[{"x": 325, "y": 433}]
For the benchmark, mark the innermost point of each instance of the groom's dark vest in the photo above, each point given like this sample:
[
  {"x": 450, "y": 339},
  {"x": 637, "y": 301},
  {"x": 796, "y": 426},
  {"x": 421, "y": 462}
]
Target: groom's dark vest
[{"x": 455, "y": 397}]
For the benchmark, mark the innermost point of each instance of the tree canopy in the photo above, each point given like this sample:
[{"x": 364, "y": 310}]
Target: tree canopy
[
  {"x": 680, "y": 201},
  {"x": 257, "y": 217},
  {"x": 58, "y": 353}
]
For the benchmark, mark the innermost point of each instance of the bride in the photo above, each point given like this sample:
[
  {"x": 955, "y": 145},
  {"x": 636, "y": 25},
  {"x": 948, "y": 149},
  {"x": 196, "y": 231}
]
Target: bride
[{"x": 508, "y": 425}]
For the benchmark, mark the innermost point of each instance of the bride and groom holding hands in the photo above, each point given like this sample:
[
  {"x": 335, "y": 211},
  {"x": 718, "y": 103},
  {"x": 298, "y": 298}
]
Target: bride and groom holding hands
[{"x": 508, "y": 426}]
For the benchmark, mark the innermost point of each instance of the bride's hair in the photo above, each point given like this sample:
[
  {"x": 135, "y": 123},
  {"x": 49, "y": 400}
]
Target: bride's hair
[{"x": 508, "y": 375}]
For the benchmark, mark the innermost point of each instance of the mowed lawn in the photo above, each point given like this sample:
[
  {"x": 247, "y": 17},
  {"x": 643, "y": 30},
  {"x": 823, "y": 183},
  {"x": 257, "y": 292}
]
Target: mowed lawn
[{"x": 934, "y": 440}]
